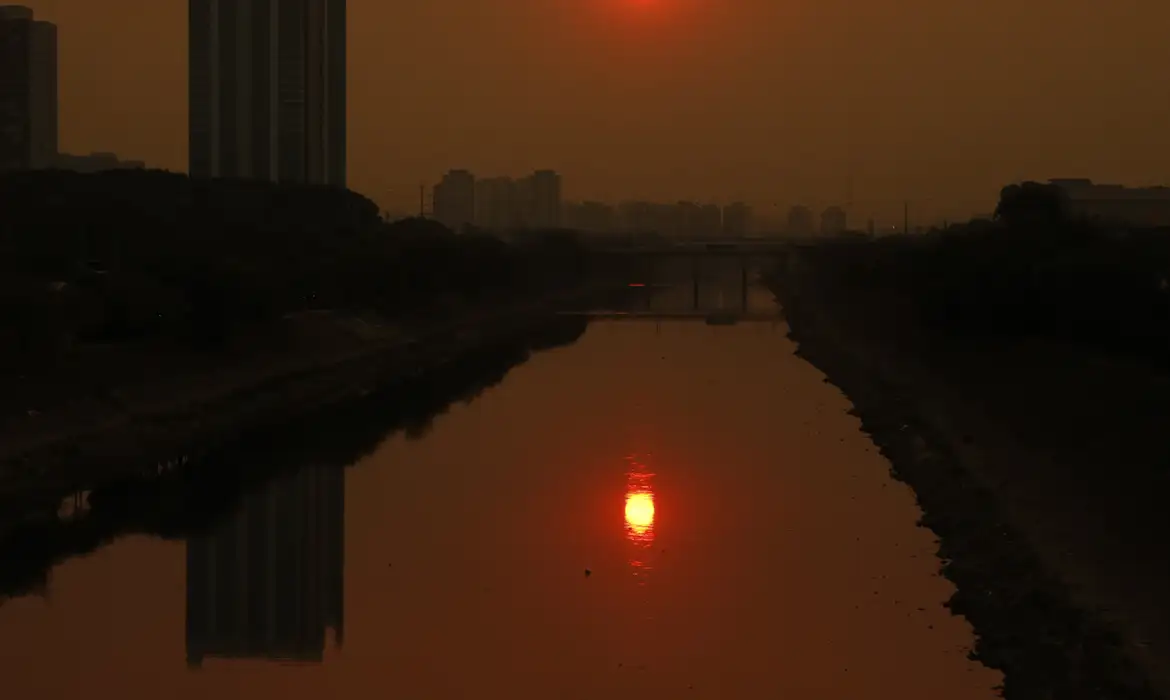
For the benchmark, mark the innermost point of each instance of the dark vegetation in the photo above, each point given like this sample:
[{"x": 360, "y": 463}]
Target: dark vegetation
[
  {"x": 150, "y": 256},
  {"x": 1034, "y": 270}
]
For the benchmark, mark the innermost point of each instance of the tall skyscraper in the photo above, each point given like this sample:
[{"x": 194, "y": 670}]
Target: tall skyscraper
[
  {"x": 28, "y": 90},
  {"x": 266, "y": 89}
]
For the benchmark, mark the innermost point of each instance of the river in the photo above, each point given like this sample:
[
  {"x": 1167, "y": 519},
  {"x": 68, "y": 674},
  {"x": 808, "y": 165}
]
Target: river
[{"x": 662, "y": 509}]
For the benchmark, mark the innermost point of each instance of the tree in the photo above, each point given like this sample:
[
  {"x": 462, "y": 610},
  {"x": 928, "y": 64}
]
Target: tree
[{"x": 1032, "y": 204}]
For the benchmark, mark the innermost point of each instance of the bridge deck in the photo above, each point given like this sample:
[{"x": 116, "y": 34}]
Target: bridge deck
[
  {"x": 712, "y": 246},
  {"x": 691, "y": 251},
  {"x": 730, "y": 315}
]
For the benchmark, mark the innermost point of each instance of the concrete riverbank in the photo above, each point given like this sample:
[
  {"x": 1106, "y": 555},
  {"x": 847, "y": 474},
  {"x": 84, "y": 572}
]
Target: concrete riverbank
[{"x": 1040, "y": 468}]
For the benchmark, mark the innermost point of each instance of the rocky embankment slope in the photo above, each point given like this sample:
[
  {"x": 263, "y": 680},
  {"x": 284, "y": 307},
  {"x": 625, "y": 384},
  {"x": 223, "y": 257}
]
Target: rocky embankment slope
[{"x": 1041, "y": 468}]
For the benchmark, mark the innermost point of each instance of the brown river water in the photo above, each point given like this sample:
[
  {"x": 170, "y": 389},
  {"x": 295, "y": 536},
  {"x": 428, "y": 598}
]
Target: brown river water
[{"x": 663, "y": 509}]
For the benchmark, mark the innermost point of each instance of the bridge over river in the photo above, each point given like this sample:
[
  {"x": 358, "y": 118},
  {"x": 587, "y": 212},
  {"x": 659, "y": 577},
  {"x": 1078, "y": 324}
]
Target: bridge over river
[
  {"x": 705, "y": 247},
  {"x": 711, "y": 318}
]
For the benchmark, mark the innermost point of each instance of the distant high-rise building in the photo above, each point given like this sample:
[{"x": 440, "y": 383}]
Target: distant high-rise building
[
  {"x": 267, "y": 96},
  {"x": 710, "y": 220},
  {"x": 648, "y": 217},
  {"x": 737, "y": 218},
  {"x": 541, "y": 192},
  {"x": 95, "y": 163},
  {"x": 1116, "y": 204},
  {"x": 833, "y": 220},
  {"x": 686, "y": 220},
  {"x": 497, "y": 203},
  {"x": 592, "y": 217},
  {"x": 28, "y": 90},
  {"x": 800, "y": 221},
  {"x": 635, "y": 216},
  {"x": 454, "y": 200},
  {"x": 268, "y": 581},
  {"x": 573, "y": 216}
]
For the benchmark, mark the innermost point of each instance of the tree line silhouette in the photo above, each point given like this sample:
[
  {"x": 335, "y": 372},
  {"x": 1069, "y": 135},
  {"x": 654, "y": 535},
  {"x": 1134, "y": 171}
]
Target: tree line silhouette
[
  {"x": 1035, "y": 269},
  {"x": 131, "y": 256}
]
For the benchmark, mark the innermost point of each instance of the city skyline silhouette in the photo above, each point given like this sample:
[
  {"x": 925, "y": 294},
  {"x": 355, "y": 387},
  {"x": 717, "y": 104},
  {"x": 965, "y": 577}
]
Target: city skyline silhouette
[{"x": 774, "y": 103}]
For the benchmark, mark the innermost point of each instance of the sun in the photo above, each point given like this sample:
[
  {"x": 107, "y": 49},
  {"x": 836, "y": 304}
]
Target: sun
[
  {"x": 627, "y": 6},
  {"x": 645, "y": 5}
]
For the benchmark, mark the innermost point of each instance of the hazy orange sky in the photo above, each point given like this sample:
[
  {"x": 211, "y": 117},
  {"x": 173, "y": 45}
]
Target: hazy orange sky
[{"x": 772, "y": 101}]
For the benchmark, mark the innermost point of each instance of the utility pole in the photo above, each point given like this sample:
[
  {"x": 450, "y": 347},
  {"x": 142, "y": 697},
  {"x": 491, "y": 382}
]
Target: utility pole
[
  {"x": 849, "y": 197},
  {"x": 905, "y": 217},
  {"x": 422, "y": 200}
]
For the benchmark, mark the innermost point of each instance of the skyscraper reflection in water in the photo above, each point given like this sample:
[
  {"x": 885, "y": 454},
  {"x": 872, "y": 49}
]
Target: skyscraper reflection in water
[{"x": 267, "y": 581}]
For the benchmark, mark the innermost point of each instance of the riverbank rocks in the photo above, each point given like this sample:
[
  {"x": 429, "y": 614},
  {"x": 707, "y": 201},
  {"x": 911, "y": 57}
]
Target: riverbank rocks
[{"x": 1025, "y": 622}]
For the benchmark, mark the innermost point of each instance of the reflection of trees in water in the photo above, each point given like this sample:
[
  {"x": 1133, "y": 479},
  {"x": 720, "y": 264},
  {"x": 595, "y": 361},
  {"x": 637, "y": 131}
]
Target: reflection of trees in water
[{"x": 198, "y": 494}]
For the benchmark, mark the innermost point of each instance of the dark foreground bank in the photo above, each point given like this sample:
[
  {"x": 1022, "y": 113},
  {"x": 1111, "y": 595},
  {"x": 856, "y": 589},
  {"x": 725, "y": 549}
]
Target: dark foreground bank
[
  {"x": 1047, "y": 570},
  {"x": 193, "y": 489},
  {"x": 143, "y": 309},
  {"x": 122, "y": 435}
]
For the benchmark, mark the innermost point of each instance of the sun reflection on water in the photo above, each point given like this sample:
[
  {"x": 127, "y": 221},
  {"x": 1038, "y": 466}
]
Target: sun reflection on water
[{"x": 639, "y": 513}]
